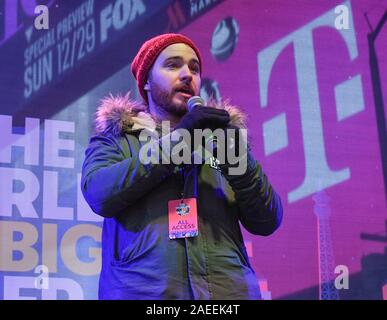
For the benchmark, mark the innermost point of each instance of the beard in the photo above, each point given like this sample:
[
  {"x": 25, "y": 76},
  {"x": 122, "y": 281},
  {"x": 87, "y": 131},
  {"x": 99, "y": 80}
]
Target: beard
[{"x": 164, "y": 100}]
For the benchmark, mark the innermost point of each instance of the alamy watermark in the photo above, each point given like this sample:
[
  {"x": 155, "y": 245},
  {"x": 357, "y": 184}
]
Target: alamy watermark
[
  {"x": 41, "y": 22},
  {"x": 215, "y": 147},
  {"x": 342, "y": 280},
  {"x": 42, "y": 280},
  {"x": 342, "y": 19}
]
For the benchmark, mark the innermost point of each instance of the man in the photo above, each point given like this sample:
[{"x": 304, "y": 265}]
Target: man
[{"x": 147, "y": 251}]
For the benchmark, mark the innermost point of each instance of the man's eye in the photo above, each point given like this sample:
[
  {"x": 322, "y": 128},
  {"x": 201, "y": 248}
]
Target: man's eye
[
  {"x": 195, "y": 69},
  {"x": 172, "y": 65}
]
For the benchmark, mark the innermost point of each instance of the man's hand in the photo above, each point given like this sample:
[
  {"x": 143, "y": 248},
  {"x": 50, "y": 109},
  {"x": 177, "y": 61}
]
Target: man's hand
[
  {"x": 201, "y": 118},
  {"x": 204, "y": 118},
  {"x": 235, "y": 151}
]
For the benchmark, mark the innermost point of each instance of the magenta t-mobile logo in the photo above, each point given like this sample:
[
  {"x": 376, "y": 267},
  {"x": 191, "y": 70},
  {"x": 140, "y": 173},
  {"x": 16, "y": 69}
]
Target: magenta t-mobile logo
[{"x": 348, "y": 98}]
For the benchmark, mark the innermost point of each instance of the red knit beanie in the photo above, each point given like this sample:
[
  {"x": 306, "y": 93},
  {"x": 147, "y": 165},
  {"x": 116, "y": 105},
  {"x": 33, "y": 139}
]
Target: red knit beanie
[{"x": 149, "y": 52}]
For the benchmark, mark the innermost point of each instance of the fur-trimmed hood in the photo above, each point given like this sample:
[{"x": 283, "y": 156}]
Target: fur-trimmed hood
[{"x": 121, "y": 114}]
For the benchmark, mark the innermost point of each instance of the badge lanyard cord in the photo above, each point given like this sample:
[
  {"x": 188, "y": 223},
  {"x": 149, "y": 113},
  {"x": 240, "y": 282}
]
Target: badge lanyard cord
[
  {"x": 184, "y": 174},
  {"x": 183, "y": 193}
]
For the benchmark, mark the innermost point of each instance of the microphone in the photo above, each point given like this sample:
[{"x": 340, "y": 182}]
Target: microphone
[
  {"x": 197, "y": 101},
  {"x": 194, "y": 101}
]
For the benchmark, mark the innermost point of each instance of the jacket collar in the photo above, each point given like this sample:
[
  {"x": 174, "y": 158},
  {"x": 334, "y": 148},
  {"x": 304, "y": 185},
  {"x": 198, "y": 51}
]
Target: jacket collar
[{"x": 120, "y": 114}]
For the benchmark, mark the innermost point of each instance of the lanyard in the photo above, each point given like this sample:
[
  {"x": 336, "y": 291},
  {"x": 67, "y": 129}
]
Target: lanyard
[{"x": 184, "y": 171}]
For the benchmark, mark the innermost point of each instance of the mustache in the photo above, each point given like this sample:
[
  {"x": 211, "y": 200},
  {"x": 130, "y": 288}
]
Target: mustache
[{"x": 185, "y": 88}]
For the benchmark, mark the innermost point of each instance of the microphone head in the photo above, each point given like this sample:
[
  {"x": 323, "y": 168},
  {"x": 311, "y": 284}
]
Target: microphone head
[{"x": 194, "y": 101}]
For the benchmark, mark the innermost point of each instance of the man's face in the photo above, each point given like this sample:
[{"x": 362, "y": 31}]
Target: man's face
[{"x": 174, "y": 78}]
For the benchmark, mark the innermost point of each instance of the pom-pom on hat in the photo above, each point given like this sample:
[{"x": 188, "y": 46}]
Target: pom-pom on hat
[{"x": 149, "y": 52}]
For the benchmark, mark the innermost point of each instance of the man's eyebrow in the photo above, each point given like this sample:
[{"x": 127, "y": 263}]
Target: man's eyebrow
[
  {"x": 195, "y": 60},
  {"x": 180, "y": 58},
  {"x": 173, "y": 58}
]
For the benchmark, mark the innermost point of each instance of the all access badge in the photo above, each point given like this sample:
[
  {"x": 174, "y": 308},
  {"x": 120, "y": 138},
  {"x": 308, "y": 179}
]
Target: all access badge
[{"x": 182, "y": 218}]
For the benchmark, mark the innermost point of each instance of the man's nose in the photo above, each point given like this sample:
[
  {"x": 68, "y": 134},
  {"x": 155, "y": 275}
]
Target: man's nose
[{"x": 186, "y": 74}]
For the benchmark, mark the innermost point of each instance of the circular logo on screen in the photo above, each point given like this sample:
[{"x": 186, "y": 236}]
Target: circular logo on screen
[{"x": 224, "y": 38}]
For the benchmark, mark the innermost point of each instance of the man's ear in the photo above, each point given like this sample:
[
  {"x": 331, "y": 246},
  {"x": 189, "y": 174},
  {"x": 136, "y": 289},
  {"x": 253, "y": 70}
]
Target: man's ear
[{"x": 147, "y": 85}]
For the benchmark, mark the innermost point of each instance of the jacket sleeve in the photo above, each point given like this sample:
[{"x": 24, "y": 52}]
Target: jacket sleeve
[
  {"x": 113, "y": 177},
  {"x": 259, "y": 205}
]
